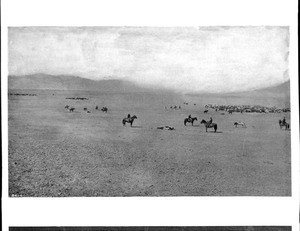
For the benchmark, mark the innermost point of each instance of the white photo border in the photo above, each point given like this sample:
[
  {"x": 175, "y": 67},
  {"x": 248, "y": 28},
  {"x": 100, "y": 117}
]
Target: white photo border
[{"x": 152, "y": 211}]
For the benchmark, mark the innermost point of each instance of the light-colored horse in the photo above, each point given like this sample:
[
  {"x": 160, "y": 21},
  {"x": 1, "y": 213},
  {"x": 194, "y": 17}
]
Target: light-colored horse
[{"x": 240, "y": 123}]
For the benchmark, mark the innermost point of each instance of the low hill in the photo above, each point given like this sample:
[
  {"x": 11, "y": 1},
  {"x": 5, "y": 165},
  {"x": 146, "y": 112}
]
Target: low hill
[
  {"x": 278, "y": 96},
  {"x": 43, "y": 81}
]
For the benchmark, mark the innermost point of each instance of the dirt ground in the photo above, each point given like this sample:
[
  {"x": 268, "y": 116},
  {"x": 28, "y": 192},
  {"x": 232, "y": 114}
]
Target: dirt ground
[{"x": 53, "y": 152}]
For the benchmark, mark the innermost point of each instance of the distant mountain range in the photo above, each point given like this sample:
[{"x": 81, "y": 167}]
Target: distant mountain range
[
  {"x": 280, "y": 93},
  {"x": 64, "y": 82}
]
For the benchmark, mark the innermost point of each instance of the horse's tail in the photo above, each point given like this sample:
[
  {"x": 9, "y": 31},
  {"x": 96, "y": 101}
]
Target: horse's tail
[
  {"x": 184, "y": 122},
  {"x": 215, "y": 127},
  {"x": 123, "y": 121}
]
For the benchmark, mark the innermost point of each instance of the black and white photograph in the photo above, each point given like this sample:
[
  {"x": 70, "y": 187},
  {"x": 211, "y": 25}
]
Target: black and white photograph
[
  {"x": 150, "y": 115},
  {"x": 149, "y": 111}
]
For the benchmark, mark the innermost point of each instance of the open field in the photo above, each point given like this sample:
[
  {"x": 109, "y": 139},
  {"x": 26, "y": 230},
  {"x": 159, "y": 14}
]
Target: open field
[{"x": 53, "y": 152}]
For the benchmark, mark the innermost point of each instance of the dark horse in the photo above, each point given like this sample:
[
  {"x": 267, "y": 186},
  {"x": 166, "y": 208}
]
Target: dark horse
[
  {"x": 209, "y": 125},
  {"x": 205, "y": 111},
  {"x": 189, "y": 120},
  {"x": 129, "y": 120},
  {"x": 284, "y": 124}
]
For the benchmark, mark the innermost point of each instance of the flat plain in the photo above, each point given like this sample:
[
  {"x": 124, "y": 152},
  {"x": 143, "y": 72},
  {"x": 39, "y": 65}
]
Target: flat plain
[{"x": 54, "y": 152}]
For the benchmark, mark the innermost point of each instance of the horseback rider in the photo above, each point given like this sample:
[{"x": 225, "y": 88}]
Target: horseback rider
[
  {"x": 211, "y": 120},
  {"x": 283, "y": 121},
  {"x": 128, "y": 116},
  {"x": 190, "y": 117}
]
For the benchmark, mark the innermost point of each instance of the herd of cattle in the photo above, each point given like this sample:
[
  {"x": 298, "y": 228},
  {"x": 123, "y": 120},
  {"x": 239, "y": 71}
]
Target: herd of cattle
[{"x": 247, "y": 108}]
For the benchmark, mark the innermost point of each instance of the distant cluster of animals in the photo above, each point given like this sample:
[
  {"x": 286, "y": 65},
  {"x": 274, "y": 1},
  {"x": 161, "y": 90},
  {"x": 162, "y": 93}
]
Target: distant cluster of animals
[
  {"x": 174, "y": 107},
  {"x": 78, "y": 98},
  {"x": 104, "y": 109},
  {"x": 21, "y": 94},
  {"x": 247, "y": 108},
  {"x": 72, "y": 109},
  {"x": 178, "y": 106}
]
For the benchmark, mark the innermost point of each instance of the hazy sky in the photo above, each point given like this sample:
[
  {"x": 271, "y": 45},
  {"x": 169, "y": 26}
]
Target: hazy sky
[{"x": 211, "y": 59}]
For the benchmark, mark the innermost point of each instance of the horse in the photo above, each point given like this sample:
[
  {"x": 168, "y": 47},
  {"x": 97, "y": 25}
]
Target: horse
[
  {"x": 284, "y": 124},
  {"x": 189, "y": 120},
  {"x": 240, "y": 123},
  {"x": 129, "y": 120},
  {"x": 205, "y": 111},
  {"x": 209, "y": 125},
  {"x": 104, "y": 109},
  {"x": 230, "y": 111},
  {"x": 71, "y": 109},
  {"x": 67, "y": 107}
]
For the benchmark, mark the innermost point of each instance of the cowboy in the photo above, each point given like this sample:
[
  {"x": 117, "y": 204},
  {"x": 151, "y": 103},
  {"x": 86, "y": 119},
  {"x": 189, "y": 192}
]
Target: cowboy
[
  {"x": 283, "y": 121},
  {"x": 210, "y": 121},
  {"x": 128, "y": 116}
]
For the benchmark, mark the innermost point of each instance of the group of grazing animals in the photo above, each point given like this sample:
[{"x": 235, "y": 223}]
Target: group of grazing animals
[
  {"x": 174, "y": 107},
  {"x": 71, "y": 109},
  {"x": 104, "y": 109}
]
